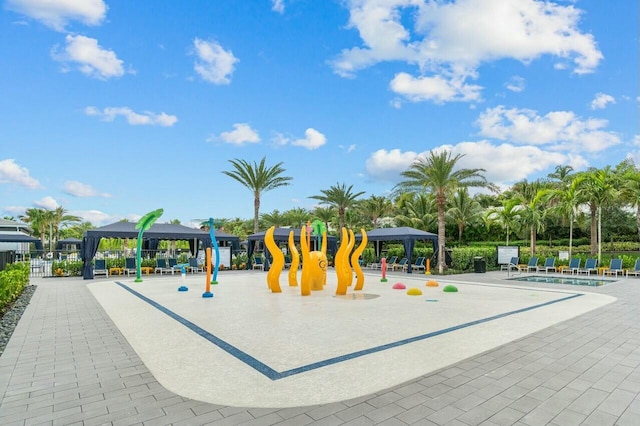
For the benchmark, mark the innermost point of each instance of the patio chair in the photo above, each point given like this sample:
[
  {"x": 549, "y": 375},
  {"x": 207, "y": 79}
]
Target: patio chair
[
  {"x": 161, "y": 266},
  {"x": 531, "y": 266},
  {"x": 130, "y": 265},
  {"x": 615, "y": 268},
  {"x": 513, "y": 264},
  {"x": 257, "y": 263},
  {"x": 636, "y": 270},
  {"x": 574, "y": 266},
  {"x": 549, "y": 265},
  {"x": 390, "y": 262},
  {"x": 376, "y": 264},
  {"x": 100, "y": 268},
  {"x": 173, "y": 265},
  {"x": 420, "y": 264},
  {"x": 591, "y": 265},
  {"x": 193, "y": 265},
  {"x": 402, "y": 265}
]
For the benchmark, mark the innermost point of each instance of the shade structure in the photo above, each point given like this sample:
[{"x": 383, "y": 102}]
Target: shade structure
[
  {"x": 405, "y": 234},
  {"x": 157, "y": 232},
  {"x": 20, "y": 238},
  {"x": 281, "y": 235},
  {"x": 74, "y": 243}
]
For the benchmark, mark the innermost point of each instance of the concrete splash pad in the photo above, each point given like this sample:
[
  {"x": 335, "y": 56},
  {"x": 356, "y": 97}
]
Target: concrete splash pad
[{"x": 249, "y": 347}]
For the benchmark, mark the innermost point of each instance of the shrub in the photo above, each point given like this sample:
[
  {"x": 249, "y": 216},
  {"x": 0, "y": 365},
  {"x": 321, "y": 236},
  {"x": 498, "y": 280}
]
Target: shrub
[{"x": 13, "y": 280}]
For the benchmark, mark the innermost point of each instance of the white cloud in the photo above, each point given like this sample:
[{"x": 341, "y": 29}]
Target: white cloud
[
  {"x": 277, "y": 6},
  {"x": 47, "y": 202},
  {"x": 135, "y": 119},
  {"x": 451, "y": 40},
  {"x": 57, "y": 14},
  {"x": 386, "y": 165},
  {"x": 11, "y": 172},
  {"x": 559, "y": 130},
  {"x": 349, "y": 148},
  {"x": 438, "y": 89},
  {"x": 242, "y": 133},
  {"x": 79, "y": 189},
  {"x": 90, "y": 58},
  {"x": 313, "y": 139},
  {"x": 602, "y": 100},
  {"x": 214, "y": 64},
  {"x": 95, "y": 217},
  {"x": 515, "y": 84}
]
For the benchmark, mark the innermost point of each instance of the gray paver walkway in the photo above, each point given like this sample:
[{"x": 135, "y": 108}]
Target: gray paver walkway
[{"x": 67, "y": 363}]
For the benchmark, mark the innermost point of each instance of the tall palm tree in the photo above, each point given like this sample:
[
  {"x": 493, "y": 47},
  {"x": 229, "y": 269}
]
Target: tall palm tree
[
  {"x": 463, "y": 210},
  {"x": 375, "y": 207},
  {"x": 39, "y": 219},
  {"x": 507, "y": 215},
  {"x": 630, "y": 189},
  {"x": 598, "y": 188},
  {"x": 275, "y": 218},
  {"x": 258, "y": 178},
  {"x": 564, "y": 200},
  {"x": 435, "y": 173},
  {"x": 62, "y": 218},
  {"x": 296, "y": 217},
  {"x": 340, "y": 197},
  {"x": 417, "y": 210}
]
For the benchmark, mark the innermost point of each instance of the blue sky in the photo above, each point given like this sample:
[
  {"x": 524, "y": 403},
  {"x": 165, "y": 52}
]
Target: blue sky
[{"x": 112, "y": 109}]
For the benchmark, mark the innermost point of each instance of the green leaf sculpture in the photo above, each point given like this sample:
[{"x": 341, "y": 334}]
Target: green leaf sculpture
[{"x": 143, "y": 225}]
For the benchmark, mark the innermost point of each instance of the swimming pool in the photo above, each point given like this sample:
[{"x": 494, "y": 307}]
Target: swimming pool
[{"x": 563, "y": 280}]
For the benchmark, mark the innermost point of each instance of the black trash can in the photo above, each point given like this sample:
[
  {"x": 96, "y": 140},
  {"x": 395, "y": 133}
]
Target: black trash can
[{"x": 479, "y": 265}]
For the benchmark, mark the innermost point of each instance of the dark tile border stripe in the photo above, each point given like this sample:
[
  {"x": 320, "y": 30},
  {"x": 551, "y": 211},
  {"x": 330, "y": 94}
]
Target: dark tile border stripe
[{"x": 276, "y": 375}]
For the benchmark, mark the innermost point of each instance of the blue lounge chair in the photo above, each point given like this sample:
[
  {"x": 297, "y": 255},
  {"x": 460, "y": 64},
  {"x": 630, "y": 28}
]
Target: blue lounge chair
[
  {"x": 161, "y": 266},
  {"x": 100, "y": 268},
  {"x": 549, "y": 265},
  {"x": 574, "y": 266},
  {"x": 130, "y": 265},
  {"x": 615, "y": 268},
  {"x": 193, "y": 265},
  {"x": 400, "y": 265},
  {"x": 591, "y": 265},
  {"x": 636, "y": 270},
  {"x": 513, "y": 264},
  {"x": 531, "y": 266},
  {"x": 257, "y": 263},
  {"x": 419, "y": 265}
]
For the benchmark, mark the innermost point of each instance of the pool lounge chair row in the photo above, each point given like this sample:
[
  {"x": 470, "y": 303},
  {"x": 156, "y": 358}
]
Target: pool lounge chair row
[{"x": 591, "y": 266}]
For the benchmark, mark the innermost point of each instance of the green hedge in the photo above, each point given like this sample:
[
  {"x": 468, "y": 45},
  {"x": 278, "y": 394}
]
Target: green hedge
[{"x": 13, "y": 280}]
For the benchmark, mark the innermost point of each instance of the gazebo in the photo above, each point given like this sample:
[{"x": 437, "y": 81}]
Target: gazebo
[{"x": 407, "y": 235}]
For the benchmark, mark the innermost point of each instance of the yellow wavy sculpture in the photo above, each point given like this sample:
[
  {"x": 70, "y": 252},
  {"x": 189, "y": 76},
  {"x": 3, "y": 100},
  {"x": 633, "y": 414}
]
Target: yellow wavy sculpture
[
  {"x": 295, "y": 262},
  {"x": 355, "y": 260},
  {"x": 314, "y": 265},
  {"x": 273, "y": 276},
  {"x": 343, "y": 272}
]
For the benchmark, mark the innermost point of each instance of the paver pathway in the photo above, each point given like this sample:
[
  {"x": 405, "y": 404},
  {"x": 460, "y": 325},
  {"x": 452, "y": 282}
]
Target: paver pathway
[{"x": 68, "y": 364}]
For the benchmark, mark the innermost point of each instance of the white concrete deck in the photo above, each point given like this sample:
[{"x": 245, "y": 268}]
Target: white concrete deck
[{"x": 283, "y": 350}]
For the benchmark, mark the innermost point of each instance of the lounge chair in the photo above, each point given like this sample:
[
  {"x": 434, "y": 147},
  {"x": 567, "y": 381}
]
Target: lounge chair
[
  {"x": 377, "y": 264},
  {"x": 419, "y": 265},
  {"x": 574, "y": 266},
  {"x": 193, "y": 265},
  {"x": 636, "y": 270},
  {"x": 402, "y": 265},
  {"x": 173, "y": 265},
  {"x": 390, "y": 262},
  {"x": 100, "y": 268},
  {"x": 513, "y": 264},
  {"x": 591, "y": 265},
  {"x": 257, "y": 263},
  {"x": 130, "y": 265},
  {"x": 615, "y": 268},
  {"x": 549, "y": 265},
  {"x": 161, "y": 266},
  {"x": 531, "y": 266}
]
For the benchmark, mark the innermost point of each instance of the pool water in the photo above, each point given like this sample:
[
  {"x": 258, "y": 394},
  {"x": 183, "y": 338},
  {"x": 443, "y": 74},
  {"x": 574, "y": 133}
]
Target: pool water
[{"x": 563, "y": 280}]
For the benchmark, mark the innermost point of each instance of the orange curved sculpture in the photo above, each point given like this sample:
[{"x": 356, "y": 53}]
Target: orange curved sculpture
[
  {"x": 343, "y": 270},
  {"x": 295, "y": 262},
  {"x": 355, "y": 260},
  {"x": 273, "y": 276}
]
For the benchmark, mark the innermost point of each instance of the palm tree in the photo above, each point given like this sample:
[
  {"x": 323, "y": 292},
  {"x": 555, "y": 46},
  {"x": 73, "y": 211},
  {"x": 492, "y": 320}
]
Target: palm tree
[
  {"x": 564, "y": 201},
  {"x": 39, "y": 219},
  {"x": 507, "y": 215},
  {"x": 463, "y": 210},
  {"x": 61, "y": 218},
  {"x": 258, "y": 178},
  {"x": 296, "y": 217},
  {"x": 340, "y": 197},
  {"x": 417, "y": 210},
  {"x": 598, "y": 188},
  {"x": 275, "y": 218},
  {"x": 630, "y": 189},
  {"x": 325, "y": 214},
  {"x": 375, "y": 208},
  {"x": 436, "y": 173},
  {"x": 533, "y": 213}
]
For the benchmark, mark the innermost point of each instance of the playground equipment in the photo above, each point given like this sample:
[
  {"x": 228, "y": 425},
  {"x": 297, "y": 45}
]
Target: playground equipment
[
  {"x": 207, "y": 293},
  {"x": 355, "y": 261},
  {"x": 314, "y": 265},
  {"x": 343, "y": 269},
  {"x": 143, "y": 225},
  {"x": 383, "y": 267},
  {"x": 183, "y": 274},
  {"x": 215, "y": 246},
  {"x": 450, "y": 289},
  {"x": 432, "y": 283},
  {"x": 414, "y": 291}
]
